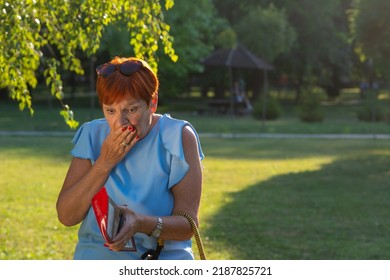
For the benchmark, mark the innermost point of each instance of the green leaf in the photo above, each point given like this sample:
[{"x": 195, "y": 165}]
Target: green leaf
[
  {"x": 66, "y": 30},
  {"x": 169, "y": 4}
]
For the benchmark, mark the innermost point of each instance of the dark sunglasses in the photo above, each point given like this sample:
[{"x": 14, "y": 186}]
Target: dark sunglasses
[{"x": 126, "y": 68}]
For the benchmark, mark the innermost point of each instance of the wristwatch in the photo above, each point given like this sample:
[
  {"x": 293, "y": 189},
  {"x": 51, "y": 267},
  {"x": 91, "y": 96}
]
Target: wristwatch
[{"x": 157, "y": 230}]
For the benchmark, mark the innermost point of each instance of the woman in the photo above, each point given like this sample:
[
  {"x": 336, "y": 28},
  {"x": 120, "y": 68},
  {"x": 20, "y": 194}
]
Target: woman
[{"x": 146, "y": 161}]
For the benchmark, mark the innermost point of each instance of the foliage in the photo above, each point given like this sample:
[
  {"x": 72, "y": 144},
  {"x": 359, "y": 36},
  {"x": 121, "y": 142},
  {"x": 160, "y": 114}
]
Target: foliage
[
  {"x": 44, "y": 40},
  {"x": 372, "y": 109},
  {"x": 370, "y": 32},
  {"x": 118, "y": 33},
  {"x": 310, "y": 109},
  {"x": 312, "y": 36},
  {"x": 47, "y": 35},
  {"x": 266, "y": 31},
  {"x": 321, "y": 47},
  {"x": 193, "y": 25},
  {"x": 271, "y": 110},
  {"x": 226, "y": 39}
]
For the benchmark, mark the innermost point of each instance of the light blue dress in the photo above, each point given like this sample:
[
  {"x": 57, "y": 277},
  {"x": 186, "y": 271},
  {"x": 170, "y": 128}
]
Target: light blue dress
[{"x": 142, "y": 181}]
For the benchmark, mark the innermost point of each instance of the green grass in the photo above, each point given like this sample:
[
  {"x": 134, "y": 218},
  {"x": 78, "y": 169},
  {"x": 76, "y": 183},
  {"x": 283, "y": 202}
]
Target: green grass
[
  {"x": 32, "y": 172},
  {"x": 262, "y": 199}
]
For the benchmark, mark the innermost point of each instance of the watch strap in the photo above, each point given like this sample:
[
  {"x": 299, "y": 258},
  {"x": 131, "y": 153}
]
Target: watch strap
[{"x": 157, "y": 230}]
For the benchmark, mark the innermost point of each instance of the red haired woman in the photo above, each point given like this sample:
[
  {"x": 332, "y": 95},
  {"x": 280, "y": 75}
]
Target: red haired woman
[{"x": 149, "y": 162}]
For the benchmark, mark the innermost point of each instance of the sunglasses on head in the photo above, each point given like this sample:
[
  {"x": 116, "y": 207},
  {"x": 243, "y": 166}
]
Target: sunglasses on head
[{"x": 126, "y": 68}]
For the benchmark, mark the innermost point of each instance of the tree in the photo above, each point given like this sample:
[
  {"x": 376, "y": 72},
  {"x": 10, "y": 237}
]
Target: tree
[
  {"x": 266, "y": 32},
  {"x": 321, "y": 50},
  {"x": 370, "y": 33},
  {"x": 47, "y": 35},
  {"x": 194, "y": 24}
]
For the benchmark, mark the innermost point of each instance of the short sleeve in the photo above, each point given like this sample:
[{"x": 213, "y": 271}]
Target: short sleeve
[
  {"x": 82, "y": 143},
  {"x": 89, "y": 138},
  {"x": 171, "y": 136}
]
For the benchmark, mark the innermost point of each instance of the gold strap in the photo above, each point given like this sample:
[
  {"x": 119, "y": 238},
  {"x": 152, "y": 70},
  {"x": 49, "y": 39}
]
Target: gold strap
[{"x": 195, "y": 231}]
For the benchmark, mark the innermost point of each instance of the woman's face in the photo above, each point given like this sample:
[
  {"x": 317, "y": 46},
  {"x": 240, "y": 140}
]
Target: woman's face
[{"x": 130, "y": 111}]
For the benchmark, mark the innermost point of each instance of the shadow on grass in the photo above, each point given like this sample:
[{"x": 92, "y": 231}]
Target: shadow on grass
[{"x": 339, "y": 212}]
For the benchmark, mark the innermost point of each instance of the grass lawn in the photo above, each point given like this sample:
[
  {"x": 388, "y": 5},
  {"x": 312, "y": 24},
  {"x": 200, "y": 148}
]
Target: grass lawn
[
  {"x": 339, "y": 118},
  {"x": 294, "y": 199},
  {"x": 262, "y": 199}
]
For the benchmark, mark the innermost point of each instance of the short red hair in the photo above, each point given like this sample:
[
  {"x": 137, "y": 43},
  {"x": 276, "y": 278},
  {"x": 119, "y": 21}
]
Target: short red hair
[{"x": 142, "y": 84}]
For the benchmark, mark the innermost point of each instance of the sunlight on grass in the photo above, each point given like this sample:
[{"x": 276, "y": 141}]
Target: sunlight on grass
[{"x": 29, "y": 228}]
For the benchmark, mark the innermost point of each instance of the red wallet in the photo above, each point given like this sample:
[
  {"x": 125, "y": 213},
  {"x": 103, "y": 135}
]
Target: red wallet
[{"x": 109, "y": 218}]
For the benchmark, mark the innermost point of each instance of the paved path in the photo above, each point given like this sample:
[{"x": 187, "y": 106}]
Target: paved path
[
  {"x": 217, "y": 135},
  {"x": 295, "y": 136}
]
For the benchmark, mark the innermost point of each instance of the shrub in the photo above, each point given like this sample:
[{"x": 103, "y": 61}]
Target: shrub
[
  {"x": 371, "y": 110},
  {"x": 272, "y": 107},
  {"x": 310, "y": 109}
]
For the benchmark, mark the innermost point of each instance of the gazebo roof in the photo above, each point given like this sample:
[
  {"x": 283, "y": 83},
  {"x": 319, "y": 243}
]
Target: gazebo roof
[{"x": 238, "y": 57}]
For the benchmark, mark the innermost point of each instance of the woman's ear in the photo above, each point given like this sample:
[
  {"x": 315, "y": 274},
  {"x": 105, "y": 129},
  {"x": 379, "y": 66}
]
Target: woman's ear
[{"x": 153, "y": 104}]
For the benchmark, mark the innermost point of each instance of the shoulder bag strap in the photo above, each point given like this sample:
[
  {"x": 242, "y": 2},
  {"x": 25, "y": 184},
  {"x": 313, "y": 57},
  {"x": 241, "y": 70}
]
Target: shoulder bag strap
[{"x": 195, "y": 231}]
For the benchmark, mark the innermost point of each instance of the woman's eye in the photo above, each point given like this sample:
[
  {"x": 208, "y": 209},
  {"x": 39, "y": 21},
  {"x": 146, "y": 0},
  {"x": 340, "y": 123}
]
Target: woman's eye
[
  {"x": 110, "y": 111},
  {"x": 132, "y": 110}
]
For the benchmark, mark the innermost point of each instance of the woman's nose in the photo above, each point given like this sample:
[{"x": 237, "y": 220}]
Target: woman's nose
[{"x": 122, "y": 120}]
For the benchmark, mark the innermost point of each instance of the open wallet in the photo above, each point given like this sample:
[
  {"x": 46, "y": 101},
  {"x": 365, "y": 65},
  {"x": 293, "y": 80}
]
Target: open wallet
[{"x": 109, "y": 218}]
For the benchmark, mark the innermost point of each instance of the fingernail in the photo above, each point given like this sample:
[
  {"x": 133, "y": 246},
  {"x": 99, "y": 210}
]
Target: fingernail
[
  {"x": 137, "y": 137},
  {"x": 123, "y": 128},
  {"x": 131, "y": 128}
]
